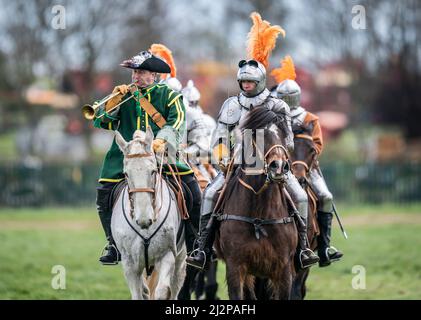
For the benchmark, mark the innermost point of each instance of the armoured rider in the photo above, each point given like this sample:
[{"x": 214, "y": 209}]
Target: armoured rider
[
  {"x": 251, "y": 78},
  {"x": 290, "y": 92}
]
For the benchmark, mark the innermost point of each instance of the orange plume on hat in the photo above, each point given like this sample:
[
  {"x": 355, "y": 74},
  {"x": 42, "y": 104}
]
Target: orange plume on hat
[
  {"x": 261, "y": 39},
  {"x": 286, "y": 71},
  {"x": 164, "y": 53}
]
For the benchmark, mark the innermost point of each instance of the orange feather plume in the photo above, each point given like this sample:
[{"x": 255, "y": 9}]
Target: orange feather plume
[
  {"x": 164, "y": 53},
  {"x": 286, "y": 71},
  {"x": 261, "y": 39}
]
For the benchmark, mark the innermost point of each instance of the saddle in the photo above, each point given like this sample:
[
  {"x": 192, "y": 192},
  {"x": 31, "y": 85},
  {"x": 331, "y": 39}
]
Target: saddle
[
  {"x": 184, "y": 196},
  {"x": 115, "y": 192}
]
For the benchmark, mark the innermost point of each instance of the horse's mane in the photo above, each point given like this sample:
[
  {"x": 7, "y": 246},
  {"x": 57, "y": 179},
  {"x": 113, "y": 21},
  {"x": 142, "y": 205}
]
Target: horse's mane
[{"x": 262, "y": 117}]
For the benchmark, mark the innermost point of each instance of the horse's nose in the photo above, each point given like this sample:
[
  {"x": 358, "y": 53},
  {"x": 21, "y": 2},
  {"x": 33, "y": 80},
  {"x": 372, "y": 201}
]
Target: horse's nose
[
  {"x": 279, "y": 167},
  {"x": 144, "y": 224}
]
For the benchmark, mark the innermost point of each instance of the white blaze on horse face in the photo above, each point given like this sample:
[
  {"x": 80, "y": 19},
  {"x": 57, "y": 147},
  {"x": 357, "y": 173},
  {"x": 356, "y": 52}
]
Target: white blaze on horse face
[
  {"x": 139, "y": 175},
  {"x": 139, "y": 171}
]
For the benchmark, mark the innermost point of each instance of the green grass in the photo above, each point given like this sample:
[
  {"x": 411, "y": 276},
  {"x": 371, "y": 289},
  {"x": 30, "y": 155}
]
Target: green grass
[{"x": 33, "y": 241}]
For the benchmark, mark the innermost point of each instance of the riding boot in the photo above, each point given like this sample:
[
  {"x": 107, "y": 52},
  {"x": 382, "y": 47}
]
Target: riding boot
[
  {"x": 306, "y": 256},
  {"x": 326, "y": 253},
  {"x": 201, "y": 256},
  {"x": 110, "y": 254}
]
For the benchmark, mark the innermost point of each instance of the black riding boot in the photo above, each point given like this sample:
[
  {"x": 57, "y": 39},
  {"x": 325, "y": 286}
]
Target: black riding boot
[
  {"x": 110, "y": 254},
  {"x": 201, "y": 256},
  {"x": 326, "y": 253},
  {"x": 306, "y": 256}
]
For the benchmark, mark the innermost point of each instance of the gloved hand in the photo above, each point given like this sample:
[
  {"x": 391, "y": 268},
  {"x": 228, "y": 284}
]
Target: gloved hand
[
  {"x": 158, "y": 145},
  {"x": 220, "y": 152},
  {"x": 122, "y": 89}
]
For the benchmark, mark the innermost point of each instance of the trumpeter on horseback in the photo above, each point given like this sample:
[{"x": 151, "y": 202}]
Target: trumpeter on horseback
[{"x": 143, "y": 104}]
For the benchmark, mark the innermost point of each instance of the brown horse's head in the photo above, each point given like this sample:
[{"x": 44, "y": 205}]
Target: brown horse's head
[
  {"x": 264, "y": 136},
  {"x": 304, "y": 153}
]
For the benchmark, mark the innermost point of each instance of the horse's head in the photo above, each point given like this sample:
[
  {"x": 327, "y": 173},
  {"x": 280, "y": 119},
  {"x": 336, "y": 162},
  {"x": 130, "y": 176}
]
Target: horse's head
[
  {"x": 140, "y": 168},
  {"x": 304, "y": 151},
  {"x": 265, "y": 134}
]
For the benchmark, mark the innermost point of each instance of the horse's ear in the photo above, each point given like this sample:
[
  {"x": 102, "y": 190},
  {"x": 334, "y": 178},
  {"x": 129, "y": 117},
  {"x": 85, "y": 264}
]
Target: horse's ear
[
  {"x": 122, "y": 144},
  {"x": 149, "y": 137}
]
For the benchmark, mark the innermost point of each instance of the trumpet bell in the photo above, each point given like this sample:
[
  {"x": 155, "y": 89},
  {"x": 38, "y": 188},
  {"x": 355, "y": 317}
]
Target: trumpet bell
[{"x": 88, "y": 111}]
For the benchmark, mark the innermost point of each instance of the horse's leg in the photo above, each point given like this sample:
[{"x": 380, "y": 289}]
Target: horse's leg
[
  {"x": 165, "y": 269},
  {"x": 298, "y": 286},
  {"x": 283, "y": 284},
  {"x": 249, "y": 288},
  {"x": 234, "y": 277},
  {"x": 134, "y": 281},
  {"x": 179, "y": 274}
]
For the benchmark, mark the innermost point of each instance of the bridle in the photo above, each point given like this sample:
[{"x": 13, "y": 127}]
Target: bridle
[
  {"x": 146, "y": 240},
  {"x": 258, "y": 223},
  {"x": 304, "y": 164},
  {"x": 136, "y": 190},
  {"x": 263, "y": 171}
]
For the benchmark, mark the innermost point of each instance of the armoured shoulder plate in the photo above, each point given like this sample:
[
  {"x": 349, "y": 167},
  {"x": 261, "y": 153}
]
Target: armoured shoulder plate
[
  {"x": 297, "y": 112},
  {"x": 297, "y": 117},
  {"x": 277, "y": 105},
  {"x": 230, "y": 113}
]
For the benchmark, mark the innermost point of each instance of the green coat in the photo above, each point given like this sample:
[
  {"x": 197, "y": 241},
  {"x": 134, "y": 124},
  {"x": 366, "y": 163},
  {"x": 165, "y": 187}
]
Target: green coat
[{"x": 130, "y": 118}]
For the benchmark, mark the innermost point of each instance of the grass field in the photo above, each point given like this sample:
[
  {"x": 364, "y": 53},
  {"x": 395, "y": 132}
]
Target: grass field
[{"x": 385, "y": 240}]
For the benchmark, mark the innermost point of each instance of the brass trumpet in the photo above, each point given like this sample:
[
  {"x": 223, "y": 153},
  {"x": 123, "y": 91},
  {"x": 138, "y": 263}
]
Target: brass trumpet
[{"x": 89, "y": 111}]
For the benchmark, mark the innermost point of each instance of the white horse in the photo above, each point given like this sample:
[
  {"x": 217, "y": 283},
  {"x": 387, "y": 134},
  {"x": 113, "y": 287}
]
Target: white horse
[{"x": 145, "y": 224}]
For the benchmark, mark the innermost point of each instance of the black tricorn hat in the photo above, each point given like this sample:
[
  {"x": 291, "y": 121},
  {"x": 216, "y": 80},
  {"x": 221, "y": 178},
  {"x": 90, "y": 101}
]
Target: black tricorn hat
[{"x": 147, "y": 61}]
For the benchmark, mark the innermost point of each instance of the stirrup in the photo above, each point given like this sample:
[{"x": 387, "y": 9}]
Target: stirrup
[
  {"x": 331, "y": 251},
  {"x": 300, "y": 258},
  {"x": 106, "y": 249},
  {"x": 192, "y": 262}
]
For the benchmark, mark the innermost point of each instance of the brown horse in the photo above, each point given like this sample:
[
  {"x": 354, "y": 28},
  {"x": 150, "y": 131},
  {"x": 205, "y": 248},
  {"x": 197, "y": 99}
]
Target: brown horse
[
  {"x": 303, "y": 159},
  {"x": 257, "y": 236}
]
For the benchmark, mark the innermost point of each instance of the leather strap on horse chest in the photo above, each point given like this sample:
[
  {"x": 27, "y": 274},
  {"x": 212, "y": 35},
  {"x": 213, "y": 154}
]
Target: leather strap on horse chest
[
  {"x": 256, "y": 222},
  {"x": 152, "y": 112},
  {"x": 146, "y": 240}
]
